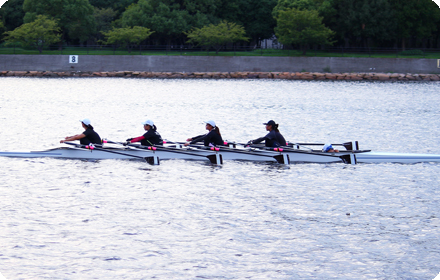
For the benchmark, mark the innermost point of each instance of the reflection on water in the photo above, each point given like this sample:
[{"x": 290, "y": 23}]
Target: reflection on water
[{"x": 114, "y": 219}]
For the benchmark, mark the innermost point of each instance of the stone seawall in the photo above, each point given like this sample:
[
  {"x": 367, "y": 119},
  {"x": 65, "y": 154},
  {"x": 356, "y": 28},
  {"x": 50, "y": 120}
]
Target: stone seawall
[{"x": 232, "y": 75}]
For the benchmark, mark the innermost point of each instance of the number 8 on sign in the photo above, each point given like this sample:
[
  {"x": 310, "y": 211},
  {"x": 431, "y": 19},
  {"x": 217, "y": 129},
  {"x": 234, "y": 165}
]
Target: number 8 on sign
[{"x": 73, "y": 59}]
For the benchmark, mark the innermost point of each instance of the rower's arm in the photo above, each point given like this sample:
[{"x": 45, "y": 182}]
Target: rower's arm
[
  {"x": 196, "y": 139},
  {"x": 72, "y": 138},
  {"x": 258, "y": 140},
  {"x": 137, "y": 139}
]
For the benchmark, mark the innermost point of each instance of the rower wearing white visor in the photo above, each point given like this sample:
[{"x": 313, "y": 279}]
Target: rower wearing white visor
[
  {"x": 273, "y": 138},
  {"x": 212, "y": 138},
  {"x": 150, "y": 138},
  {"x": 89, "y": 136}
]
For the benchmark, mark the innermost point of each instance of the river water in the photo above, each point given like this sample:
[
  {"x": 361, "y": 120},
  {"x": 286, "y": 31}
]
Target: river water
[{"x": 122, "y": 219}]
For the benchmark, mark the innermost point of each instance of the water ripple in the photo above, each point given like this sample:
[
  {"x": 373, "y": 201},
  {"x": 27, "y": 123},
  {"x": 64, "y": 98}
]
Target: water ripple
[{"x": 113, "y": 219}]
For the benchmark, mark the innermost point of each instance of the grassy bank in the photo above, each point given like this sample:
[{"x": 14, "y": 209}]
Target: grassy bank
[{"x": 253, "y": 52}]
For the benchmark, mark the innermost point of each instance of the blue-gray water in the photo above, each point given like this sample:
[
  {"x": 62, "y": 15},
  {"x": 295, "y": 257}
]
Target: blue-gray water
[{"x": 110, "y": 219}]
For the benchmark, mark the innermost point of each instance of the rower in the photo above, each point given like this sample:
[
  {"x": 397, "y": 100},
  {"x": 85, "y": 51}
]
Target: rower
[
  {"x": 328, "y": 148},
  {"x": 150, "y": 138},
  {"x": 212, "y": 138},
  {"x": 89, "y": 136},
  {"x": 273, "y": 138}
]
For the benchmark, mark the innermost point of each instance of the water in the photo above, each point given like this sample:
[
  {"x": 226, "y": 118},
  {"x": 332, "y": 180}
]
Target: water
[{"x": 110, "y": 219}]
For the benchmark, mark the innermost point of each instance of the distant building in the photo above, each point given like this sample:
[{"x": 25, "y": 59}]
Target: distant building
[{"x": 271, "y": 43}]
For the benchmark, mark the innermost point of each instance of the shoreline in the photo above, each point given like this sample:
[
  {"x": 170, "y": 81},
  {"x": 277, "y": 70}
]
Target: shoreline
[{"x": 231, "y": 75}]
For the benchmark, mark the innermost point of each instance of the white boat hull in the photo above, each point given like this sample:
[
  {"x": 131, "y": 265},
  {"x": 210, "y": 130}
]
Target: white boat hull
[
  {"x": 108, "y": 153},
  {"x": 378, "y": 157},
  {"x": 286, "y": 156},
  {"x": 302, "y": 156},
  {"x": 172, "y": 153}
]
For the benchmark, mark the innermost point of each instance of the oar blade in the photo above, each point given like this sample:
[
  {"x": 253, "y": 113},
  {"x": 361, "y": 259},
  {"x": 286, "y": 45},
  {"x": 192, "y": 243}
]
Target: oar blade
[
  {"x": 154, "y": 160},
  {"x": 349, "y": 159},
  {"x": 215, "y": 159},
  {"x": 283, "y": 158}
]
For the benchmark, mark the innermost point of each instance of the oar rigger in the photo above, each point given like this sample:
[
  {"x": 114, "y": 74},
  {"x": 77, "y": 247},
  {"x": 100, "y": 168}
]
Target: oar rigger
[
  {"x": 175, "y": 152},
  {"x": 153, "y": 160}
]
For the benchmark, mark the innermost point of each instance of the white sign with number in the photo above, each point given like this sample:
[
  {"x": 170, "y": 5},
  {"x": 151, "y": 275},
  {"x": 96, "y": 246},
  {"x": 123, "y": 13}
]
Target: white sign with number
[{"x": 73, "y": 59}]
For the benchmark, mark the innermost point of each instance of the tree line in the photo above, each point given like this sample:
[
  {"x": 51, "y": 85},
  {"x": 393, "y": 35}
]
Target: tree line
[{"x": 214, "y": 23}]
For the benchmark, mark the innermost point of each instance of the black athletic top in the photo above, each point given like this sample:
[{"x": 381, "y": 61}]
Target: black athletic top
[
  {"x": 272, "y": 139},
  {"x": 151, "y": 137},
  {"x": 91, "y": 137},
  {"x": 212, "y": 138}
]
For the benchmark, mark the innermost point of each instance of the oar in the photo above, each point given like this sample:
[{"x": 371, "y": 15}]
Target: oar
[
  {"x": 281, "y": 158},
  {"x": 347, "y": 145},
  {"x": 153, "y": 160},
  {"x": 214, "y": 158}
]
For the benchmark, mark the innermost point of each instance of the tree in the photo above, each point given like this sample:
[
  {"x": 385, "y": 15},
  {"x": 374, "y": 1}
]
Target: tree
[
  {"x": 127, "y": 37},
  {"x": 2, "y": 29},
  {"x": 415, "y": 18},
  {"x": 258, "y": 20},
  {"x": 39, "y": 33},
  {"x": 169, "y": 18},
  {"x": 302, "y": 28},
  {"x": 103, "y": 18},
  {"x": 117, "y": 6},
  {"x": 255, "y": 16},
  {"x": 217, "y": 36},
  {"x": 362, "y": 22},
  {"x": 296, "y": 4},
  {"x": 75, "y": 17},
  {"x": 11, "y": 13}
]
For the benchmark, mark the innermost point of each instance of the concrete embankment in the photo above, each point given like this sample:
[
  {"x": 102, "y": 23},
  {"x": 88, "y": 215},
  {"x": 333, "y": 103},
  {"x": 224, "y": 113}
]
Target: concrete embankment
[
  {"x": 216, "y": 64},
  {"x": 231, "y": 75}
]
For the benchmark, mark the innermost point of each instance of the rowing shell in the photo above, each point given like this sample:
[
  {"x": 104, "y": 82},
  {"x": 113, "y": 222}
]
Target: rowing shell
[
  {"x": 165, "y": 153},
  {"x": 285, "y": 155}
]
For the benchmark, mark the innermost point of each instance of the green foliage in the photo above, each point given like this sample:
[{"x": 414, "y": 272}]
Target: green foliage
[
  {"x": 168, "y": 18},
  {"x": 255, "y": 16},
  {"x": 217, "y": 36},
  {"x": 295, "y": 4},
  {"x": 356, "y": 23},
  {"x": 2, "y": 29},
  {"x": 39, "y": 33},
  {"x": 363, "y": 22},
  {"x": 103, "y": 19},
  {"x": 11, "y": 13},
  {"x": 418, "y": 18},
  {"x": 75, "y": 17},
  {"x": 117, "y": 6},
  {"x": 296, "y": 27},
  {"x": 127, "y": 37},
  {"x": 411, "y": 52}
]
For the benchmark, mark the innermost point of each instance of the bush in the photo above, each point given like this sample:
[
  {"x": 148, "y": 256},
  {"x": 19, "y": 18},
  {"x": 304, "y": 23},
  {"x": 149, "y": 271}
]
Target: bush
[{"x": 412, "y": 52}]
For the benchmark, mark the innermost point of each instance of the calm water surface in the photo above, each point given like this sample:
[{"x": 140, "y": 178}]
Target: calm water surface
[{"x": 114, "y": 219}]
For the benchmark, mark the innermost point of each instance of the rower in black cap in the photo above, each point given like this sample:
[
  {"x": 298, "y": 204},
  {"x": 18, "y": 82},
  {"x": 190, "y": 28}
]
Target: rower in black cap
[{"x": 273, "y": 138}]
